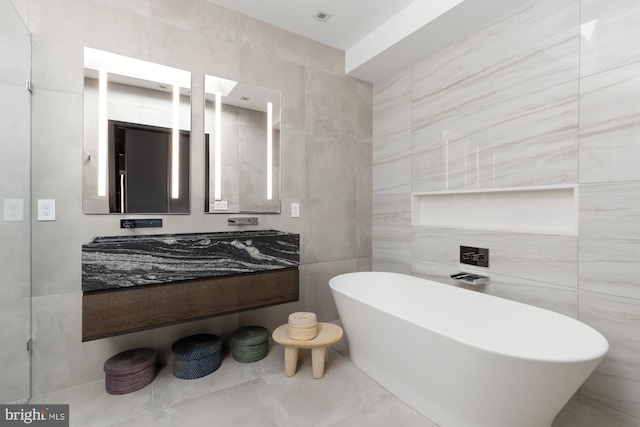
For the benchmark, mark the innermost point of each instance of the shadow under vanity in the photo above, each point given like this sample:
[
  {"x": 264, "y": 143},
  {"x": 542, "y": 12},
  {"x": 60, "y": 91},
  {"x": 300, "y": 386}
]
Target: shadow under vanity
[{"x": 134, "y": 283}]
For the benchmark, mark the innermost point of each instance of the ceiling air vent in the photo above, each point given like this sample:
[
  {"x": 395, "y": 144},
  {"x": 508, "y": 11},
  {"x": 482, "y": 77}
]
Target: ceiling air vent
[{"x": 322, "y": 16}]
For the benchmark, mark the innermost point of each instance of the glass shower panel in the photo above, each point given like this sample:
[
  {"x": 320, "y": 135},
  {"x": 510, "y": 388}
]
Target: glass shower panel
[{"x": 15, "y": 200}]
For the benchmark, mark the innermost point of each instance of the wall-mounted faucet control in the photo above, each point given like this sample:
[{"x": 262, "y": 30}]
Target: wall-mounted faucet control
[
  {"x": 141, "y": 223},
  {"x": 253, "y": 220},
  {"x": 474, "y": 256},
  {"x": 471, "y": 279}
]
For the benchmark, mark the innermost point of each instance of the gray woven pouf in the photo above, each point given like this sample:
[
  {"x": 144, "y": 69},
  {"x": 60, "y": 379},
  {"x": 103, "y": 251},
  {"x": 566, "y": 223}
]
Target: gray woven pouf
[
  {"x": 250, "y": 344},
  {"x": 130, "y": 370},
  {"x": 196, "y": 356}
]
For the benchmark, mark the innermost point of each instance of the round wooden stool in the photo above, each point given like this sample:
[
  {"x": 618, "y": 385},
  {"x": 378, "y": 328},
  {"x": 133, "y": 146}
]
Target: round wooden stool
[{"x": 328, "y": 334}]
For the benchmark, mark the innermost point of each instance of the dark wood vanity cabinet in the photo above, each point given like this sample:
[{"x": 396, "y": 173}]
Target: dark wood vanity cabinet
[{"x": 111, "y": 312}]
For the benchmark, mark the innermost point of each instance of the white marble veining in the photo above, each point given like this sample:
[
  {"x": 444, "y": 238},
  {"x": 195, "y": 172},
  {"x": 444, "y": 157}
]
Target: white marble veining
[
  {"x": 560, "y": 299},
  {"x": 392, "y": 104},
  {"x": 539, "y": 257},
  {"x": 383, "y": 261},
  {"x": 392, "y": 163},
  {"x": 499, "y": 145},
  {"x": 391, "y": 224},
  {"x": 533, "y": 48},
  {"x": 615, "y": 382},
  {"x": 609, "y": 125},
  {"x": 610, "y": 266},
  {"x": 553, "y": 88},
  {"x": 610, "y": 210},
  {"x": 610, "y": 236},
  {"x": 609, "y": 35}
]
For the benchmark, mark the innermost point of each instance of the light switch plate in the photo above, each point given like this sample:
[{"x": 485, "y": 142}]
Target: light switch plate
[
  {"x": 295, "y": 210},
  {"x": 13, "y": 210}
]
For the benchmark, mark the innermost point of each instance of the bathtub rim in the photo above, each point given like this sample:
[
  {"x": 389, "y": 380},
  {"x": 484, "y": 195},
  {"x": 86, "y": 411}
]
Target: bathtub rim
[{"x": 589, "y": 356}]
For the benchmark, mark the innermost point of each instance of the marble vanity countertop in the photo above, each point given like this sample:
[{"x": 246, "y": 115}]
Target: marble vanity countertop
[{"x": 125, "y": 261}]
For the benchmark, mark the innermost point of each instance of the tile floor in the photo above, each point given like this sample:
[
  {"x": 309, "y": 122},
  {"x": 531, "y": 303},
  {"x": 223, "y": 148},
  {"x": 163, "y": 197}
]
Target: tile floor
[{"x": 259, "y": 395}]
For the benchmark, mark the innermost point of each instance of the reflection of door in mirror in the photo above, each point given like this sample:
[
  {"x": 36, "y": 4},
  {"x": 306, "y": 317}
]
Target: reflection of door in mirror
[
  {"x": 137, "y": 118},
  {"x": 242, "y": 171},
  {"x": 142, "y": 151}
]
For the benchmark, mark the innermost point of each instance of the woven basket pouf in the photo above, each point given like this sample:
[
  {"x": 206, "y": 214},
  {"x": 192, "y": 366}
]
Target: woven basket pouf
[
  {"x": 250, "y": 344},
  {"x": 130, "y": 370},
  {"x": 303, "y": 326},
  {"x": 196, "y": 356}
]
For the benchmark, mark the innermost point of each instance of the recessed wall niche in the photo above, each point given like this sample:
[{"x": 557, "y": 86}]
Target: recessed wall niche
[{"x": 541, "y": 210}]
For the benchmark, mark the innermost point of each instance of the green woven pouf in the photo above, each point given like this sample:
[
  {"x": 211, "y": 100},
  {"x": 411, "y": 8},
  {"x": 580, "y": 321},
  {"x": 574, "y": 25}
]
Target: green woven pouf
[{"x": 250, "y": 344}]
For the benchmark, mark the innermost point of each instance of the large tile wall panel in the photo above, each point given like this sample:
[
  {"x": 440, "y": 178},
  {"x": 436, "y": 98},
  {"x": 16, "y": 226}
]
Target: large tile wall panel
[
  {"x": 533, "y": 48},
  {"x": 391, "y": 232},
  {"x": 392, "y": 263},
  {"x": 540, "y": 257},
  {"x": 609, "y": 35},
  {"x": 392, "y": 163},
  {"x": 331, "y": 105},
  {"x": 610, "y": 238},
  {"x": 364, "y": 199},
  {"x": 499, "y": 145},
  {"x": 330, "y": 168},
  {"x": 561, "y": 299},
  {"x": 609, "y": 125},
  {"x": 364, "y": 107},
  {"x": 615, "y": 382},
  {"x": 330, "y": 231},
  {"x": 392, "y": 104},
  {"x": 392, "y": 224},
  {"x": 317, "y": 297}
]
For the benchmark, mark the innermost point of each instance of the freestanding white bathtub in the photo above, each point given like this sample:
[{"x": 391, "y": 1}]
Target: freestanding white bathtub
[{"x": 462, "y": 358}]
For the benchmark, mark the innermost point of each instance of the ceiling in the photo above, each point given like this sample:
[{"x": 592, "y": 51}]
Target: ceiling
[{"x": 379, "y": 37}]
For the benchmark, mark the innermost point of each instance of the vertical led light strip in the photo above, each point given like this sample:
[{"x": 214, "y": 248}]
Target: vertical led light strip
[
  {"x": 217, "y": 191},
  {"x": 175, "y": 145},
  {"x": 269, "y": 151},
  {"x": 102, "y": 133}
]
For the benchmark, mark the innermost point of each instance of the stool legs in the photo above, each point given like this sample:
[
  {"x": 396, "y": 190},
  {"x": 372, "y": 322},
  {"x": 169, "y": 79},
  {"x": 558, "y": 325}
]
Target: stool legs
[
  {"x": 318, "y": 356},
  {"x": 290, "y": 360}
]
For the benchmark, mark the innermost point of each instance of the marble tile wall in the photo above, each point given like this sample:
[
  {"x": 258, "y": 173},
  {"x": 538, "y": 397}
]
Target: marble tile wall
[
  {"x": 546, "y": 95},
  {"x": 326, "y": 160}
]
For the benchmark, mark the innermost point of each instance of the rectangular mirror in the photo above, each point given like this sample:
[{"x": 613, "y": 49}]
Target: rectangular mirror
[
  {"x": 137, "y": 119},
  {"x": 242, "y": 153}
]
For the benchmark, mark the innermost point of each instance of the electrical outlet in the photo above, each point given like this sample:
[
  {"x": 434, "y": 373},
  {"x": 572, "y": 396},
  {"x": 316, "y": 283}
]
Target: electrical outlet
[
  {"x": 220, "y": 205},
  {"x": 46, "y": 210},
  {"x": 13, "y": 210}
]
